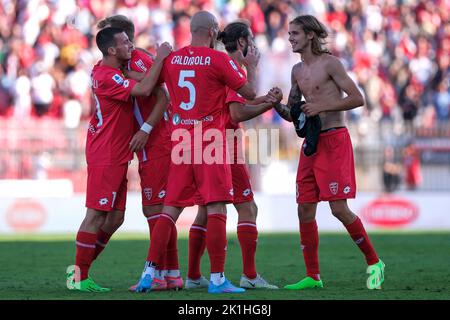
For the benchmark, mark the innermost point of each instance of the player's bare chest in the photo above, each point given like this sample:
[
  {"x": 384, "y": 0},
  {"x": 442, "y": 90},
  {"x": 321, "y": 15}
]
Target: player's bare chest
[{"x": 312, "y": 80}]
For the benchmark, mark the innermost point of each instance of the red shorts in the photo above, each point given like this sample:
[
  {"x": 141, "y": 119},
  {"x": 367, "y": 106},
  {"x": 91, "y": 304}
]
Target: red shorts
[
  {"x": 188, "y": 183},
  {"x": 107, "y": 187},
  {"x": 153, "y": 175},
  {"x": 242, "y": 189},
  {"x": 329, "y": 174}
]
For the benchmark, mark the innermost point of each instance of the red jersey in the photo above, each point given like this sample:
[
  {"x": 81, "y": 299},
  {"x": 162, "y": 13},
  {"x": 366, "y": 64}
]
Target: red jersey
[
  {"x": 158, "y": 143},
  {"x": 196, "y": 78},
  {"x": 112, "y": 126},
  {"x": 232, "y": 96}
]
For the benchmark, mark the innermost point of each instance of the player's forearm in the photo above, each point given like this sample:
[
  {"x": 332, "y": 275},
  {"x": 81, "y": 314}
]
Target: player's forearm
[
  {"x": 257, "y": 100},
  {"x": 159, "y": 108},
  {"x": 146, "y": 85},
  {"x": 251, "y": 79},
  {"x": 247, "y": 112},
  {"x": 284, "y": 111},
  {"x": 137, "y": 76}
]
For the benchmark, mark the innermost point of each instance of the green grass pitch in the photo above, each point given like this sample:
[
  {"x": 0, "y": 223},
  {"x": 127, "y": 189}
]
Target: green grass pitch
[{"x": 417, "y": 267}]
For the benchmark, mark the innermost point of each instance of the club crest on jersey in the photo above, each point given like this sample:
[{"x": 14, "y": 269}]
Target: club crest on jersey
[
  {"x": 117, "y": 78},
  {"x": 148, "y": 193},
  {"x": 333, "y": 187}
]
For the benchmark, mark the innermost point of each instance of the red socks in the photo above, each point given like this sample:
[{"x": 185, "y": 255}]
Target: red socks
[
  {"x": 161, "y": 236},
  {"x": 216, "y": 241},
  {"x": 85, "y": 252},
  {"x": 309, "y": 238},
  {"x": 152, "y": 222},
  {"x": 248, "y": 237},
  {"x": 170, "y": 261},
  {"x": 197, "y": 244},
  {"x": 102, "y": 240},
  {"x": 359, "y": 235}
]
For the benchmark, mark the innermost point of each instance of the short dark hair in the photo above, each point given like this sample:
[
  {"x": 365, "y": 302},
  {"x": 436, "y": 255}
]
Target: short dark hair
[
  {"x": 232, "y": 33},
  {"x": 105, "y": 39},
  {"x": 118, "y": 21}
]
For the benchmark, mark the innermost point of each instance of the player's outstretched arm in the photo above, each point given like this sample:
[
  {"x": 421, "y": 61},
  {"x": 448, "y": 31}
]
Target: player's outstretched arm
[
  {"x": 294, "y": 95},
  {"x": 245, "y": 111},
  {"x": 140, "y": 138},
  {"x": 248, "y": 90},
  {"x": 145, "y": 87}
]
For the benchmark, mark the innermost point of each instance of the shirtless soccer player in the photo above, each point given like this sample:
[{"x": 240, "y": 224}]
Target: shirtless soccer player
[{"x": 329, "y": 174}]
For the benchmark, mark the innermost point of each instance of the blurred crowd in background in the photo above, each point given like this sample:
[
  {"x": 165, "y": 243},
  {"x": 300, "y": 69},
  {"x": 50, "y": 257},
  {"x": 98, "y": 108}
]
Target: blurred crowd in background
[{"x": 396, "y": 51}]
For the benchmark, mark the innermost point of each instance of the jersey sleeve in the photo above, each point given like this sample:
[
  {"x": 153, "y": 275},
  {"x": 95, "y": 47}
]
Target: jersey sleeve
[
  {"x": 231, "y": 74},
  {"x": 140, "y": 61},
  {"x": 116, "y": 87},
  {"x": 233, "y": 96}
]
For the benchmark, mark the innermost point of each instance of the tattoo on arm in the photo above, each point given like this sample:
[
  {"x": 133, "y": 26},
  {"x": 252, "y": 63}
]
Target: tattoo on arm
[
  {"x": 284, "y": 111},
  {"x": 294, "y": 95}
]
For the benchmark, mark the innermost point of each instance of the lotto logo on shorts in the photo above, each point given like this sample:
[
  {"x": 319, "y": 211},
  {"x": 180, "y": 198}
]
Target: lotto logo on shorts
[
  {"x": 333, "y": 187},
  {"x": 231, "y": 192},
  {"x": 148, "y": 193},
  {"x": 246, "y": 192},
  {"x": 103, "y": 201},
  {"x": 162, "y": 194},
  {"x": 346, "y": 189}
]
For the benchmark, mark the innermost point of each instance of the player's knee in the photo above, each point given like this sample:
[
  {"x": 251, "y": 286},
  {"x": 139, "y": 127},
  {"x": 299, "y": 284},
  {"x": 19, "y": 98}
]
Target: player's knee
[
  {"x": 96, "y": 220},
  {"x": 118, "y": 220},
  {"x": 306, "y": 213},
  {"x": 343, "y": 214}
]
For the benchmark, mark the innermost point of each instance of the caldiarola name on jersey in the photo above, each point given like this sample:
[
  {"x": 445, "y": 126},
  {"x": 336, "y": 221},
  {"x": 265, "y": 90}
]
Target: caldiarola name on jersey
[{"x": 191, "y": 61}]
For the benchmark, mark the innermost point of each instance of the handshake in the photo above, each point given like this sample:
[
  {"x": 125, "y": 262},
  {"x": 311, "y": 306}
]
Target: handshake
[{"x": 274, "y": 96}]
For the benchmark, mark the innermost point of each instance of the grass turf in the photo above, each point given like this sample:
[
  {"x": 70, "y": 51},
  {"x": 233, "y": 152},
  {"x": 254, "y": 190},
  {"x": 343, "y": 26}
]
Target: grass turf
[{"x": 33, "y": 267}]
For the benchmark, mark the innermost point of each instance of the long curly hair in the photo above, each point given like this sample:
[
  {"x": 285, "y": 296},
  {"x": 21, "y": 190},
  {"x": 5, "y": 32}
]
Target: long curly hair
[{"x": 310, "y": 24}]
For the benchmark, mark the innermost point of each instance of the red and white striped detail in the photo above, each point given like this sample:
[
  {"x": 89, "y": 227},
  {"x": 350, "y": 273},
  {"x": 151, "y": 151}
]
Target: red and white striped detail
[
  {"x": 156, "y": 216},
  {"x": 249, "y": 224},
  {"x": 197, "y": 227},
  {"x": 85, "y": 245},
  {"x": 164, "y": 215}
]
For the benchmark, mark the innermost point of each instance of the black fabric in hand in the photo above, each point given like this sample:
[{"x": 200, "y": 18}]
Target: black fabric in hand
[{"x": 306, "y": 127}]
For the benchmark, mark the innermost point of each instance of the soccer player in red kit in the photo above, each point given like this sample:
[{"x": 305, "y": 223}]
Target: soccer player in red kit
[
  {"x": 107, "y": 146},
  {"x": 329, "y": 173},
  {"x": 237, "y": 38},
  {"x": 153, "y": 147},
  {"x": 196, "y": 77}
]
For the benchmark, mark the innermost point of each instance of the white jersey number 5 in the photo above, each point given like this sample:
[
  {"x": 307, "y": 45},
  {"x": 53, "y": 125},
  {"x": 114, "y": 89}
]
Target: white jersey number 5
[{"x": 182, "y": 83}]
